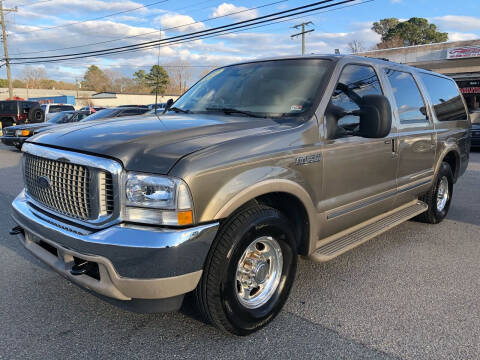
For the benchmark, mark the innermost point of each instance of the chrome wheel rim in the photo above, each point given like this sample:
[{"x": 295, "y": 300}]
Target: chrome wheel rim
[
  {"x": 258, "y": 272},
  {"x": 442, "y": 193}
]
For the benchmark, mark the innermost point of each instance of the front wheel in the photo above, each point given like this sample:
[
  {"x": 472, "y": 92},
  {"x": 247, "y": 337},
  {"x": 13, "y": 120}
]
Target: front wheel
[
  {"x": 438, "y": 198},
  {"x": 249, "y": 271}
]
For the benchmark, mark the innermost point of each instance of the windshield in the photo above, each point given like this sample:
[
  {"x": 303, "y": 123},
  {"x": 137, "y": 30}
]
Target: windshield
[
  {"x": 270, "y": 88},
  {"x": 105, "y": 113},
  {"x": 60, "y": 117}
]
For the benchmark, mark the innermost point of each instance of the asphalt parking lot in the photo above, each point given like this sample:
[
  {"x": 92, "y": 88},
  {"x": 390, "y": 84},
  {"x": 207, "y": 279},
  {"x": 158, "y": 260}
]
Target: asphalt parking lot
[{"x": 412, "y": 293}]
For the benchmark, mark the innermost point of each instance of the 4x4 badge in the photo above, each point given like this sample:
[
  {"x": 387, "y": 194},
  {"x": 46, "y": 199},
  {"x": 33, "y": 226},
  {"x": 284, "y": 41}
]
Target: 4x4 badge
[{"x": 308, "y": 159}]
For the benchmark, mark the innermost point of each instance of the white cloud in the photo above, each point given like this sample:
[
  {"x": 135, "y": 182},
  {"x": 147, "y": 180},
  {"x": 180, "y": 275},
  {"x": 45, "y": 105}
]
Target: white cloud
[
  {"x": 397, "y": 1},
  {"x": 456, "y": 22},
  {"x": 179, "y": 22},
  {"x": 458, "y": 36},
  {"x": 237, "y": 12}
]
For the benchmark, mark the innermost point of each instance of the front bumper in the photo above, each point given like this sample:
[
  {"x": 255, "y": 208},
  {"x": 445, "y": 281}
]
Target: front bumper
[
  {"x": 134, "y": 262},
  {"x": 13, "y": 140}
]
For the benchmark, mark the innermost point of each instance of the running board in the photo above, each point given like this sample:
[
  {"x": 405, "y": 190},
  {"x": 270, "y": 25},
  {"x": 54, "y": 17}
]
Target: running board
[{"x": 346, "y": 240}]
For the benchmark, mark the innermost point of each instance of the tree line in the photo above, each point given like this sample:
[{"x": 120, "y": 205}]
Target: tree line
[{"x": 174, "y": 81}]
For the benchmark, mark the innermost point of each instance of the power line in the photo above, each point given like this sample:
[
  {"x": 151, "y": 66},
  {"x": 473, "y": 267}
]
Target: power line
[
  {"x": 34, "y": 3},
  {"x": 302, "y": 33},
  {"x": 92, "y": 19},
  {"x": 239, "y": 24},
  {"x": 155, "y": 31},
  {"x": 223, "y": 32}
]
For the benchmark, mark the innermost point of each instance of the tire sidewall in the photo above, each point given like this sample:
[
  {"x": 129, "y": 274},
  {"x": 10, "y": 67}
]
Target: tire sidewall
[
  {"x": 249, "y": 320},
  {"x": 446, "y": 171}
]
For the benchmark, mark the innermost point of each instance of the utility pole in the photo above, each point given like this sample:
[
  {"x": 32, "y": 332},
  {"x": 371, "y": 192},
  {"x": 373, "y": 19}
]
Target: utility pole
[
  {"x": 158, "y": 64},
  {"x": 303, "y": 32},
  {"x": 5, "y": 47}
]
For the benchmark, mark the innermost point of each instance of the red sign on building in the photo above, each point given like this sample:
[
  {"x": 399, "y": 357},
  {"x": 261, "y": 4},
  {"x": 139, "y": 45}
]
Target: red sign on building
[{"x": 463, "y": 52}]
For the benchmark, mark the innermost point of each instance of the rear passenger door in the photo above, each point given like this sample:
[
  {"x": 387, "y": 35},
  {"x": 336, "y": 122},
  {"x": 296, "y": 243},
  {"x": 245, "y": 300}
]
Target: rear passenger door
[{"x": 416, "y": 134}]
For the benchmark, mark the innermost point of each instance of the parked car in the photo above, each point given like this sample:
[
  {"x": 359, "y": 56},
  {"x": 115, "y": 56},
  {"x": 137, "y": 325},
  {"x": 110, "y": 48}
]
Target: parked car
[
  {"x": 257, "y": 163},
  {"x": 475, "y": 117},
  {"x": 117, "y": 112},
  {"x": 16, "y": 135},
  {"x": 14, "y": 112},
  {"x": 51, "y": 109},
  {"x": 92, "y": 109},
  {"x": 160, "y": 107}
]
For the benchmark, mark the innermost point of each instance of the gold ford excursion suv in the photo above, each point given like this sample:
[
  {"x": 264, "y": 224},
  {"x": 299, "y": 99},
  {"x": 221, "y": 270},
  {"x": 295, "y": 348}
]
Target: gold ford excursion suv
[{"x": 256, "y": 164}]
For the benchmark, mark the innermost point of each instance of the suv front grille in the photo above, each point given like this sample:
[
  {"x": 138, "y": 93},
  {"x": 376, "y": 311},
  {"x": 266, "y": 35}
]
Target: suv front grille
[
  {"x": 60, "y": 186},
  {"x": 8, "y": 132}
]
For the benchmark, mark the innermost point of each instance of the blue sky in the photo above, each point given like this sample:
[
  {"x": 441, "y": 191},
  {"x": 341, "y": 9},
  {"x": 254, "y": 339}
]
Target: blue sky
[{"x": 333, "y": 29}]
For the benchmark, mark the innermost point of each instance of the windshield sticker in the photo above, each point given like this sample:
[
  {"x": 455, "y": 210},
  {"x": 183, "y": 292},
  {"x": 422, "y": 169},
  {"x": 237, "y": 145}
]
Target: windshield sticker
[{"x": 296, "y": 108}]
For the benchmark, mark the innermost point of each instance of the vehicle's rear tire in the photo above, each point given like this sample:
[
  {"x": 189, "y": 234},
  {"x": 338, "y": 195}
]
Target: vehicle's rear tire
[
  {"x": 36, "y": 114},
  {"x": 255, "y": 248},
  {"x": 438, "y": 198}
]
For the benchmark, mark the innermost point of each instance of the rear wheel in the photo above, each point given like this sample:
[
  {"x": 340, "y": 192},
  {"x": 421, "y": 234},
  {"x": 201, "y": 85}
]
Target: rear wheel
[
  {"x": 438, "y": 198},
  {"x": 249, "y": 271}
]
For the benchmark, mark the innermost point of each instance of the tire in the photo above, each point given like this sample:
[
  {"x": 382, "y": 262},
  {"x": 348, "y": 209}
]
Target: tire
[
  {"x": 36, "y": 114},
  {"x": 437, "y": 211},
  {"x": 218, "y": 294}
]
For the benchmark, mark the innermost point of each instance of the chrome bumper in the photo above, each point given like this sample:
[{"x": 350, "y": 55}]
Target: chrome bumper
[{"x": 135, "y": 262}]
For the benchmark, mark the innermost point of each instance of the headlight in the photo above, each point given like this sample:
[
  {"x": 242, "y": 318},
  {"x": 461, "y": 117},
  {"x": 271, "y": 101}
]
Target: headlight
[
  {"x": 157, "y": 199},
  {"x": 22, "y": 133}
]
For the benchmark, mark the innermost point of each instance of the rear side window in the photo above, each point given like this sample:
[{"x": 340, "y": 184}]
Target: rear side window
[
  {"x": 410, "y": 104},
  {"x": 446, "y": 99}
]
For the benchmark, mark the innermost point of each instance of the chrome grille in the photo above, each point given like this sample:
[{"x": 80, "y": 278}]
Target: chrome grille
[{"x": 65, "y": 186}]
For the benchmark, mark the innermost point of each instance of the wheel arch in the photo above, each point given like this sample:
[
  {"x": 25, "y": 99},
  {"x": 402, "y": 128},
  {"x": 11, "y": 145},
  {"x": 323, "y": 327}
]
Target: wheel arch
[
  {"x": 285, "y": 195},
  {"x": 451, "y": 156}
]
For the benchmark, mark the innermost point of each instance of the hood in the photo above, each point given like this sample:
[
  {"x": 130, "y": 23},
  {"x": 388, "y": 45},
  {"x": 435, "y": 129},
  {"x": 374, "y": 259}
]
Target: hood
[
  {"x": 150, "y": 143},
  {"x": 29, "y": 126}
]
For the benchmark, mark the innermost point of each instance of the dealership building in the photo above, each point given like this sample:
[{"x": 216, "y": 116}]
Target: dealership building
[{"x": 458, "y": 59}]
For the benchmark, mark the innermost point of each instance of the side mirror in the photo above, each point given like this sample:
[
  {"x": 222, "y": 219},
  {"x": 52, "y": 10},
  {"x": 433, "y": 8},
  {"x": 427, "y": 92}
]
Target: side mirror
[
  {"x": 169, "y": 104},
  {"x": 375, "y": 116}
]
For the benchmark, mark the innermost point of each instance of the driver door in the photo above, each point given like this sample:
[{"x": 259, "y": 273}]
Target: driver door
[{"x": 359, "y": 177}]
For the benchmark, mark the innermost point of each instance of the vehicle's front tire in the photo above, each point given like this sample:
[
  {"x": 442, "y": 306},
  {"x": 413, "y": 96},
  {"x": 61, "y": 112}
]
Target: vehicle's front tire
[
  {"x": 438, "y": 198},
  {"x": 249, "y": 271}
]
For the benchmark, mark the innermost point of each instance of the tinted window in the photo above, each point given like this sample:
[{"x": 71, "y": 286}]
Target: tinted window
[
  {"x": 8, "y": 107},
  {"x": 410, "y": 105},
  {"x": 133, "y": 112},
  {"x": 446, "y": 99},
  {"x": 61, "y": 117},
  {"x": 355, "y": 81},
  {"x": 105, "y": 113},
  {"x": 55, "y": 109}
]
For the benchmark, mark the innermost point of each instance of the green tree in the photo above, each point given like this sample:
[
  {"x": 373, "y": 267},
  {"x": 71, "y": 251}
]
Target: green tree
[
  {"x": 157, "y": 79},
  {"x": 383, "y": 26},
  {"x": 3, "y": 83},
  {"x": 95, "y": 79},
  {"x": 414, "y": 31}
]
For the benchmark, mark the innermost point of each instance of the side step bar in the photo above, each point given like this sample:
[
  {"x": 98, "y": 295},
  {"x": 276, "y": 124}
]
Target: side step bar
[{"x": 337, "y": 244}]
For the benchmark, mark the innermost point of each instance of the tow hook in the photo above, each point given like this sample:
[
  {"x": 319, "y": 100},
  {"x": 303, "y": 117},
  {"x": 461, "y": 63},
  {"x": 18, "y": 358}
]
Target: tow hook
[
  {"x": 80, "y": 268},
  {"x": 16, "y": 230}
]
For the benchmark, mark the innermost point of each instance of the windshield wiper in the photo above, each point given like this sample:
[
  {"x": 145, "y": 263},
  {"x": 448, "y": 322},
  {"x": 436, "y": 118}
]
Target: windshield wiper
[
  {"x": 177, "y": 110},
  {"x": 235, "y": 111}
]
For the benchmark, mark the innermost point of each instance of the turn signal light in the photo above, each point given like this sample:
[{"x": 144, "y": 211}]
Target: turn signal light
[
  {"x": 185, "y": 217},
  {"x": 25, "y": 132}
]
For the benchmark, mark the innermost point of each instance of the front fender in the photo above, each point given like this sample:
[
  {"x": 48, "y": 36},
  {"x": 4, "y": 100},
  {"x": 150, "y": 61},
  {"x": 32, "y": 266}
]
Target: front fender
[{"x": 256, "y": 182}]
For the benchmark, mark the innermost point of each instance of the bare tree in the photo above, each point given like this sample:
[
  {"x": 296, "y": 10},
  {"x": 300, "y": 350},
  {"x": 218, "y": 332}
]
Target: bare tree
[
  {"x": 33, "y": 76},
  {"x": 181, "y": 75},
  {"x": 356, "y": 46}
]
